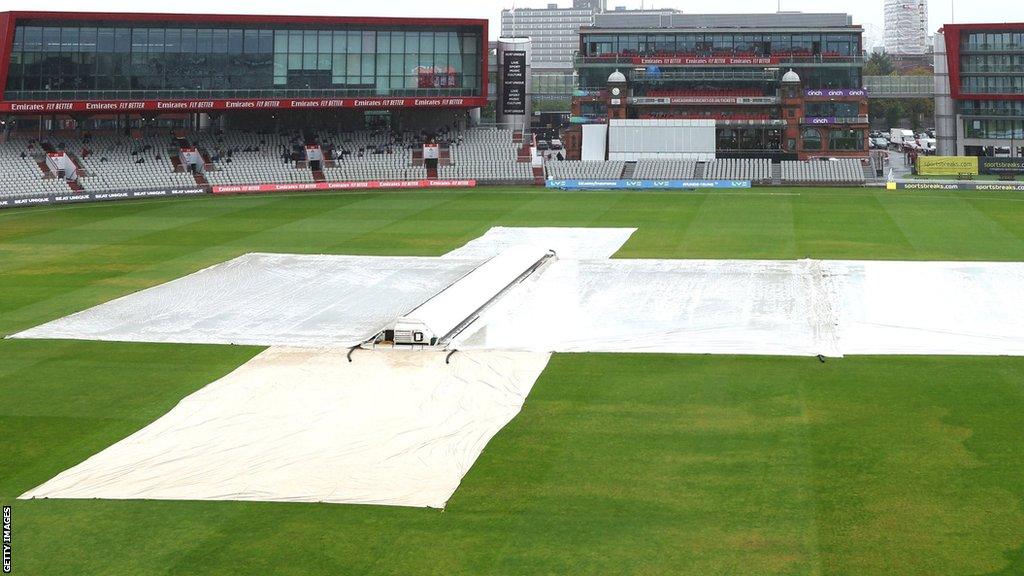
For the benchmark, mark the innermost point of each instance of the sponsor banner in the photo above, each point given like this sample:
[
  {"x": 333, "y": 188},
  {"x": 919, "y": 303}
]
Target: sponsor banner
[
  {"x": 645, "y": 184},
  {"x": 830, "y": 93},
  {"x": 947, "y": 165},
  {"x": 119, "y": 106},
  {"x": 368, "y": 185},
  {"x": 979, "y": 186},
  {"x": 81, "y": 197},
  {"x": 513, "y": 82},
  {"x": 668, "y": 101},
  {"x": 820, "y": 120},
  {"x": 1001, "y": 166},
  {"x": 700, "y": 61}
]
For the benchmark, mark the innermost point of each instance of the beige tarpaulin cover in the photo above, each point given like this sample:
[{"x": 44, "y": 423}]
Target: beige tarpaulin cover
[{"x": 394, "y": 428}]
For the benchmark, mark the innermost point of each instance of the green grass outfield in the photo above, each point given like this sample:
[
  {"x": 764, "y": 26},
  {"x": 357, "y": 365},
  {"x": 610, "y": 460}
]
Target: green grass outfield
[{"x": 618, "y": 464}]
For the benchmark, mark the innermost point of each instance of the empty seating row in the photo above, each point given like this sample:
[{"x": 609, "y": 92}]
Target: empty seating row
[
  {"x": 486, "y": 154},
  {"x": 22, "y": 176},
  {"x": 665, "y": 170},
  {"x": 585, "y": 170},
  {"x": 845, "y": 171},
  {"x": 755, "y": 170}
]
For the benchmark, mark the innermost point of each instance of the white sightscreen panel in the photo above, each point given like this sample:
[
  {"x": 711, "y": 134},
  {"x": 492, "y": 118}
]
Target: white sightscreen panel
[
  {"x": 595, "y": 142},
  {"x": 395, "y": 428},
  {"x": 662, "y": 139},
  {"x": 268, "y": 300}
]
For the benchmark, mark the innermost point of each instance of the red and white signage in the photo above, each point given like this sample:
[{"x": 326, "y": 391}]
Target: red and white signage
[
  {"x": 431, "y": 151},
  {"x": 705, "y": 61},
  {"x": 121, "y": 106},
  {"x": 370, "y": 185}
]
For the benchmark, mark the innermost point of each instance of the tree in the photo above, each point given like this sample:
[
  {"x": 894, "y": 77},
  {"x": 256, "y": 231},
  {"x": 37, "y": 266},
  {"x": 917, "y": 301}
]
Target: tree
[{"x": 879, "y": 64}]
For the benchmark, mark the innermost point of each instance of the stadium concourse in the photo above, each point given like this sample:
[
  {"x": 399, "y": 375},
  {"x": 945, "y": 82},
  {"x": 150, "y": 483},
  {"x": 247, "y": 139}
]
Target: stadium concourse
[{"x": 352, "y": 417}]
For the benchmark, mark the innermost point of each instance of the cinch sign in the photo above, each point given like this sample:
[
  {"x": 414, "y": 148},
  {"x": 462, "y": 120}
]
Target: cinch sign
[{"x": 835, "y": 93}]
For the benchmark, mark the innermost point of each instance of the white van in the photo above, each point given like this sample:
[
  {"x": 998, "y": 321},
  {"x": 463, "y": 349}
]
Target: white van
[{"x": 898, "y": 137}]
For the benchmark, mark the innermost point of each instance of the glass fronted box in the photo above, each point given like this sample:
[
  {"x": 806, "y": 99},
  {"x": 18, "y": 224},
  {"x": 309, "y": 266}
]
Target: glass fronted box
[
  {"x": 723, "y": 43},
  {"x": 767, "y": 81},
  {"x": 111, "y": 60}
]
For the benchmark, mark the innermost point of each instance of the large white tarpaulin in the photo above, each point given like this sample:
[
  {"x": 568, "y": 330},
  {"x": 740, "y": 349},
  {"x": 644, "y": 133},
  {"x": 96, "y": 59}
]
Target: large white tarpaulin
[
  {"x": 442, "y": 314},
  {"x": 954, "y": 308},
  {"x": 682, "y": 306},
  {"x": 832, "y": 308},
  {"x": 268, "y": 300},
  {"x": 584, "y": 302},
  {"x": 392, "y": 427},
  {"x": 306, "y": 300},
  {"x": 568, "y": 243}
]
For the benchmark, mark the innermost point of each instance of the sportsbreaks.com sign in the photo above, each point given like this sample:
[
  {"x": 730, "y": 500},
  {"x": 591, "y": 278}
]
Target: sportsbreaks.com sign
[{"x": 103, "y": 106}]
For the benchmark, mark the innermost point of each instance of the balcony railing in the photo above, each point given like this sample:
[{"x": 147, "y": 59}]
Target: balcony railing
[
  {"x": 231, "y": 94},
  {"x": 833, "y": 120},
  {"x": 994, "y": 91},
  {"x": 1007, "y": 70},
  {"x": 992, "y": 47},
  {"x": 777, "y": 60},
  {"x": 697, "y": 74},
  {"x": 992, "y": 112}
]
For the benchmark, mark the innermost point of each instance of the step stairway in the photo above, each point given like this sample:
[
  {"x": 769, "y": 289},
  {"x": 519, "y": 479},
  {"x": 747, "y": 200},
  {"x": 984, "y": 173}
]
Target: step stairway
[
  {"x": 776, "y": 174},
  {"x": 698, "y": 173},
  {"x": 869, "y": 172},
  {"x": 629, "y": 171},
  {"x": 43, "y": 166}
]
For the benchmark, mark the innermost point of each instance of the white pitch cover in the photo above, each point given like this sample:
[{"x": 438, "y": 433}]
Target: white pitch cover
[
  {"x": 954, "y": 308},
  {"x": 669, "y": 306},
  {"x": 395, "y": 428},
  {"x": 268, "y": 300},
  {"x": 568, "y": 243},
  {"x": 458, "y": 302}
]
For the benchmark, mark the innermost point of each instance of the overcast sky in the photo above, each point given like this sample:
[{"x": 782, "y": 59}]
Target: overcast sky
[{"x": 864, "y": 11}]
